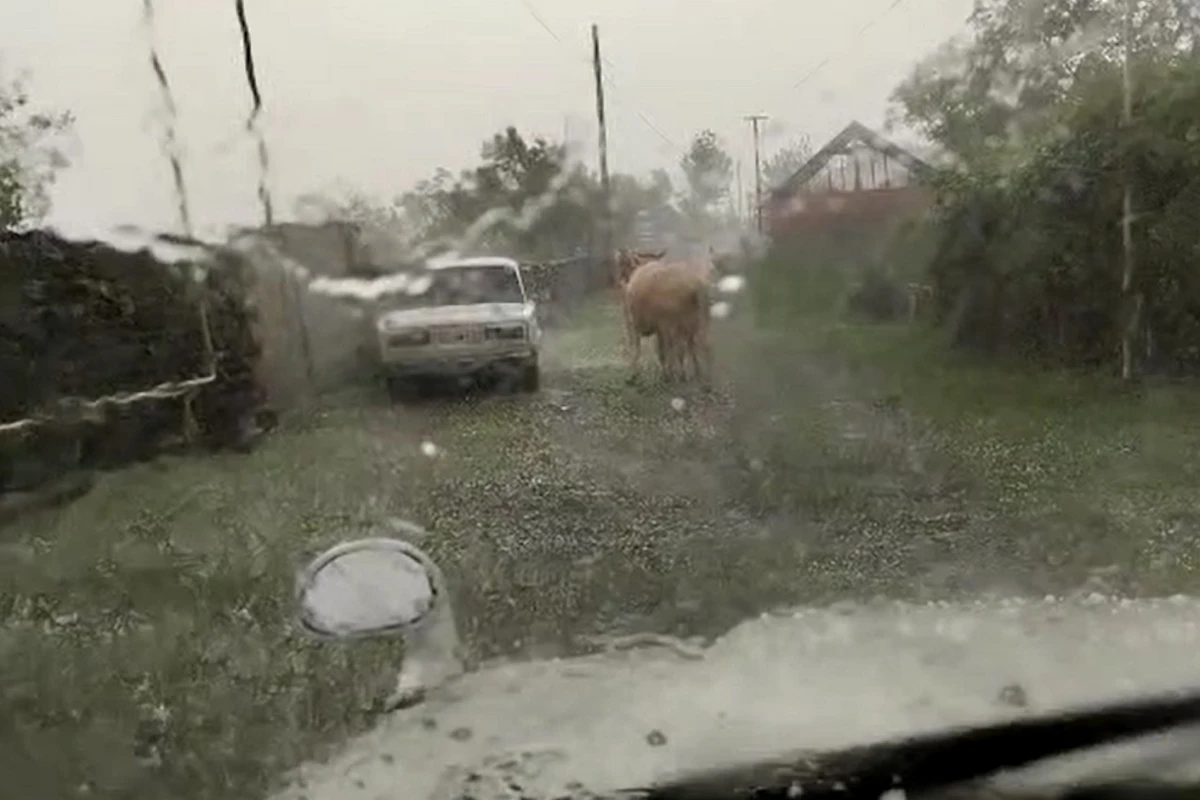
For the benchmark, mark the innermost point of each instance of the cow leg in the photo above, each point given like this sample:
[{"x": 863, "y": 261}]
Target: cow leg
[
  {"x": 685, "y": 350},
  {"x": 666, "y": 354},
  {"x": 635, "y": 354},
  {"x": 675, "y": 356},
  {"x": 633, "y": 338},
  {"x": 632, "y": 345},
  {"x": 702, "y": 353},
  {"x": 679, "y": 357}
]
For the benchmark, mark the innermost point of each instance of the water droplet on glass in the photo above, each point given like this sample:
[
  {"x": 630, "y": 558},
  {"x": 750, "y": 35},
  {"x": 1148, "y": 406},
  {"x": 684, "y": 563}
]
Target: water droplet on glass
[
  {"x": 420, "y": 285},
  {"x": 731, "y": 284}
]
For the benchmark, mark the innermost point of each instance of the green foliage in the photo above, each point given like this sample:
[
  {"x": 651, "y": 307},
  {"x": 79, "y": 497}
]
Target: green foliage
[
  {"x": 786, "y": 160},
  {"x": 524, "y": 197},
  {"x": 29, "y": 155},
  {"x": 860, "y": 266},
  {"x": 708, "y": 169},
  {"x": 1021, "y": 64},
  {"x": 807, "y": 275},
  {"x": 1029, "y": 260},
  {"x": 878, "y": 297}
]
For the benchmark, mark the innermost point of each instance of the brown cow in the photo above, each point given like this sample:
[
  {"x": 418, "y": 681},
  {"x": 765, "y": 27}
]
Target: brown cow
[
  {"x": 670, "y": 300},
  {"x": 627, "y": 260}
]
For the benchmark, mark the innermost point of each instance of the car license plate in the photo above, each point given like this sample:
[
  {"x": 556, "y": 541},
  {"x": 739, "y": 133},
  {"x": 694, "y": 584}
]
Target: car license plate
[{"x": 460, "y": 335}]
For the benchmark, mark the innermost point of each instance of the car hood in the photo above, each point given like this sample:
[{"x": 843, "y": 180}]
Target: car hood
[
  {"x": 811, "y": 679},
  {"x": 476, "y": 314}
]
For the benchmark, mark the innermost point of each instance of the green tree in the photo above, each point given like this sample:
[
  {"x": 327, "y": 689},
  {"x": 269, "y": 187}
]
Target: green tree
[
  {"x": 976, "y": 96},
  {"x": 647, "y": 201},
  {"x": 1030, "y": 253},
  {"x": 522, "y": 197},
  {"x": 708, "y": 169},
  {"x": 782, "y": 164},
  {"x": 525, "y": 198},
  {"x": 29, "y": 154}
]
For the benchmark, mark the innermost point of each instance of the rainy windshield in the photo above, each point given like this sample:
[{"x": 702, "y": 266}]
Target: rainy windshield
[
  {"x": 766, "y": 323},
  {"x": 453, "y": 285},
  {"x": 466, "y": 285}
]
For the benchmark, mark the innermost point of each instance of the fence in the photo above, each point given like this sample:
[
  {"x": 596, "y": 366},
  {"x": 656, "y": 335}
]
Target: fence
[
  {"x": 311, "y": 343},
  {"x": 560, "y": 286}
]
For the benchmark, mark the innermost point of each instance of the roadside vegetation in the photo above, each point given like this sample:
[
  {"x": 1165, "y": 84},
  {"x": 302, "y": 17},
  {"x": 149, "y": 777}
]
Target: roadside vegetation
[{"x": 1054, "y": 402}]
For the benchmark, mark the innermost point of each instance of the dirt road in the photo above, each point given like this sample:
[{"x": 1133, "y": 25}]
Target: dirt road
[{"x": 597, "y": 508}]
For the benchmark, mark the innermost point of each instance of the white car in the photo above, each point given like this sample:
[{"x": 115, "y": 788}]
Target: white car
[{"x": 461, "y": 318}]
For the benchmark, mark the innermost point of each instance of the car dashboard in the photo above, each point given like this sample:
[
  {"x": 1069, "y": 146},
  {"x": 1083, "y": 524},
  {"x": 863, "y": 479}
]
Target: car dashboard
[{"x": 963, "y": 764}]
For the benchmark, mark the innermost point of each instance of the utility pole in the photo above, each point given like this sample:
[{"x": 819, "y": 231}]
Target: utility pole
[
  {"x": 606, "y": 231},
  {"x": 741, "y": 194},
  {"x": 754, "y": 119},
  {"x": 1132, "y": 300}
]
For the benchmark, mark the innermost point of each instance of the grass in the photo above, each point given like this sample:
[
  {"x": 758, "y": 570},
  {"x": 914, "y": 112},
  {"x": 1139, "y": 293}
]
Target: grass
[
  {"x": 147, "y": 649},
  {"x": 1075, "y": 471},
  {"x": 168, "y": 587}
]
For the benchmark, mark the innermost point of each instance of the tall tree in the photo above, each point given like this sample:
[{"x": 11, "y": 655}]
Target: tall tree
[
  {"x": 637, "y": 203},
  {"x": 708, "y": 169},
  {"x": 784, "y": 162},
  {"x": 1030, "y": 256},
  {"x": 30, "y": 155},
  {"x": 1005, "y": 81}
]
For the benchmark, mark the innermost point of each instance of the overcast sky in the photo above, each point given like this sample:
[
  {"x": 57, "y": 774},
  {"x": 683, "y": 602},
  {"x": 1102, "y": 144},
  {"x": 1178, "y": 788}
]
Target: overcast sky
[{"x": 376, "y": 94}]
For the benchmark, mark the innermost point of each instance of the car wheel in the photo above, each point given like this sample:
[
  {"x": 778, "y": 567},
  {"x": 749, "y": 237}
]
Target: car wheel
[{"x": 531, "y": 376}]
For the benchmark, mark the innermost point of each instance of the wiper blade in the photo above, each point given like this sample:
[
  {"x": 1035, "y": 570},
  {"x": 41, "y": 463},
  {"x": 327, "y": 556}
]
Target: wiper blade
[{"x": 936, "y": 761}]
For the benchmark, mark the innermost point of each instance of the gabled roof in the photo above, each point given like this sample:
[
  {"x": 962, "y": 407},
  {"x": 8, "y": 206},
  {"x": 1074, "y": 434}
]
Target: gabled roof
[{"x": 854, "y": 132}]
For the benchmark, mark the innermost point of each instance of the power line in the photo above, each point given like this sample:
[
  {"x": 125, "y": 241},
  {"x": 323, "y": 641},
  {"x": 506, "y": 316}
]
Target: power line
[
  {"x": 533, "y": 12},
  {"x": 824, "y": 62},
  {"x": 541, "y": 21}
]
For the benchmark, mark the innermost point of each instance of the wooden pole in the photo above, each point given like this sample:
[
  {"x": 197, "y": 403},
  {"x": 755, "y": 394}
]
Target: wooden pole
[
  {"x": 1132, "y": 299},
  {"x": 758, "y": 204},
  {"x": 741, "y": 211},
  {"x": 606, "y": 231}
]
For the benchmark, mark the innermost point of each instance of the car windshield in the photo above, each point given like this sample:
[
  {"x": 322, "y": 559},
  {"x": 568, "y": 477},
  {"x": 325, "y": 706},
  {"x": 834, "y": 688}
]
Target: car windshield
[
  {"x": 466, "y": 285},
  {"x": 758, "y": 375}
]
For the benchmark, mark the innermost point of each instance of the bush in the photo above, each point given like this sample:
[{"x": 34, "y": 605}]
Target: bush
[
  {"x": 84, "y": 320},
  {"x": 1030, "y": 255},
  {"x": 878, "y": 297},
  {"x": 860, "y": 266}
]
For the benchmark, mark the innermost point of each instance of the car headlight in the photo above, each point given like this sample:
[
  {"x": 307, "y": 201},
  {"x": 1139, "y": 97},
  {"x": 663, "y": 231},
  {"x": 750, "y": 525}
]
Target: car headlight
[
  {"x": 506, "y": 332},
  {"x": 408, "y": 338}
]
